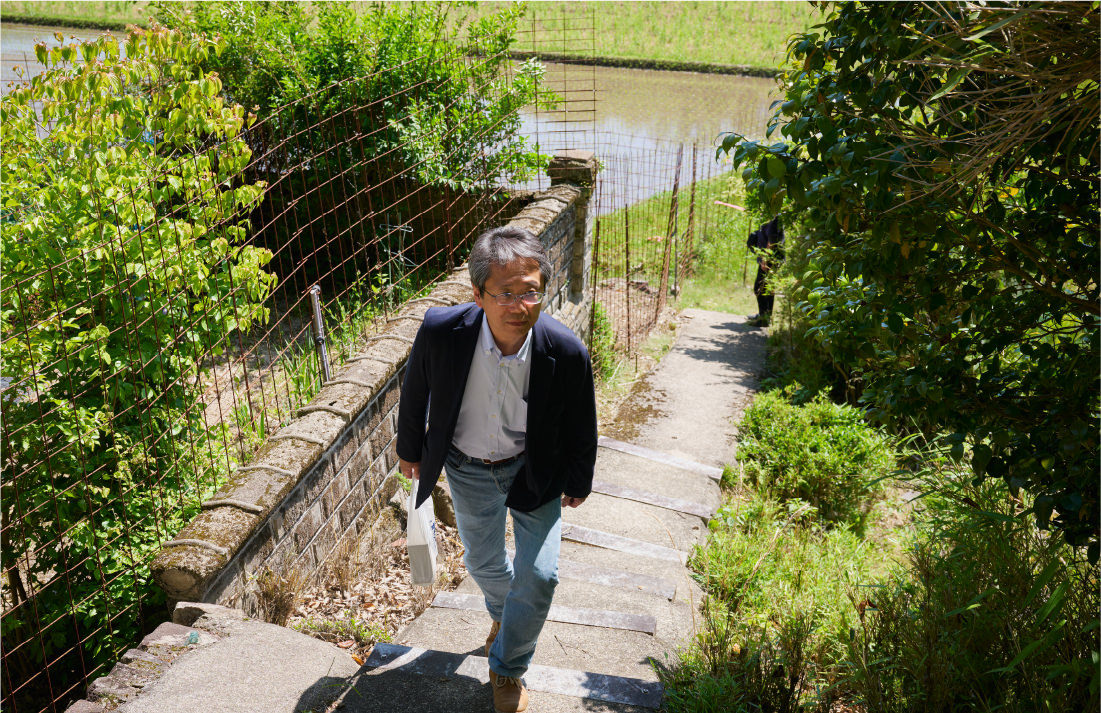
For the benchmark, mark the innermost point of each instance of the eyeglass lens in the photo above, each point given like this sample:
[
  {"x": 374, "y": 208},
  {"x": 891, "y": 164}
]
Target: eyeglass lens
[{"x": 529, "y": 298}]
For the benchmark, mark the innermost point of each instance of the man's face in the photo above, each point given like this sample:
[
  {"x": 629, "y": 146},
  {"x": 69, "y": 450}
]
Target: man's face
[{"x": 510, "y": 324}]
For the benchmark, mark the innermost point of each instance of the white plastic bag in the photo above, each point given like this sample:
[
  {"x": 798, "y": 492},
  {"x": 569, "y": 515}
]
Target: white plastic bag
[{"x": 421, "y": 539}]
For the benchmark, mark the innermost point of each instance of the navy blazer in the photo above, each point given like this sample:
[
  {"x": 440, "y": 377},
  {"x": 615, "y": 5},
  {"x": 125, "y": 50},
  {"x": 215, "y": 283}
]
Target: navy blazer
[{"x": 561, "y": 430}]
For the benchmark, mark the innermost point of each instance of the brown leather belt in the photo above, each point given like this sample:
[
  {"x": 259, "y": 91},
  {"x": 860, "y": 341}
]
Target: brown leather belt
[{"x": 485, "y": 461}]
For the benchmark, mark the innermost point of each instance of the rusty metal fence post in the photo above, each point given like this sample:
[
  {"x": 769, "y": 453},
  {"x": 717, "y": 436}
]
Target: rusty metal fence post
[{"x": 670, "y": 236}]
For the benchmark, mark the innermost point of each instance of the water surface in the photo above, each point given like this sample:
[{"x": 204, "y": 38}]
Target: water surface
[{"x": 634, "y": 119}]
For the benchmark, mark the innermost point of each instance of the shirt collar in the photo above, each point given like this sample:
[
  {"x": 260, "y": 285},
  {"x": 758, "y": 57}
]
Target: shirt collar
[{"x": 489, "y": 346}]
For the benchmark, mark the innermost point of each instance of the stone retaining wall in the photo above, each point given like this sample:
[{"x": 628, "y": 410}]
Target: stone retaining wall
[{"x": 325, "y": 477}]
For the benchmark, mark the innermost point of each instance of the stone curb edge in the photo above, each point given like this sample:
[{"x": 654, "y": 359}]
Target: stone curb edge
[{"x": 138, "y": 667}]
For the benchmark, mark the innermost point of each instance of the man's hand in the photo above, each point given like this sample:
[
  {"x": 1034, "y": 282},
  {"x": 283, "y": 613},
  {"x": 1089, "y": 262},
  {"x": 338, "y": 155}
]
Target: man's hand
[
  {"x": 410, "y": 470},
  {"x": 568, "y": 502}
]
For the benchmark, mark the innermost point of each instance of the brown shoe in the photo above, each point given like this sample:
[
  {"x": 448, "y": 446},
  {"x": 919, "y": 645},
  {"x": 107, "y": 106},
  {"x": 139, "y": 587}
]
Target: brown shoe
[
  {"x": 492, "y": 636},
  {"x": 509, "y": 694}
]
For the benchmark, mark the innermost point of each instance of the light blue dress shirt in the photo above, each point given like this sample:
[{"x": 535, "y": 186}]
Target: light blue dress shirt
[{"x": 493, "y": 419}]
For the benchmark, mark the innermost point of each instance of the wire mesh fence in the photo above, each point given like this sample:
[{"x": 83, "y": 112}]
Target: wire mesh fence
[
  {"x": 157, "y": 318},
  {"x": 655, "y": 202},
  {"x": 160, "y": 314}
]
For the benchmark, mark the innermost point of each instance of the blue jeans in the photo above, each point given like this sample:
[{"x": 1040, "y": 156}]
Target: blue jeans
[{"x": 517, "y": 593}]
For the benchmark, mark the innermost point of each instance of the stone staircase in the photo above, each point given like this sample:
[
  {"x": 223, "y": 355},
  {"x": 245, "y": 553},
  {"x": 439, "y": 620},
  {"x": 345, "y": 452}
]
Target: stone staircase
[
  {"x": 624, "y": 604},
  {"x": 625, "y": 601}
]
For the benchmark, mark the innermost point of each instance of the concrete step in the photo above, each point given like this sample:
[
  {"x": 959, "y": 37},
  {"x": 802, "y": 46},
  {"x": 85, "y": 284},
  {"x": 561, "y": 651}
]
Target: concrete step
[
  {"x": 614, "y": 652},
  {"x": 711, "y": 471},
  {"x": 664, "y": 569},
  {"x": 673, "y": 619},
  {"x": 551, "y": 688},
  {"x": 642, "y": 473},
  {"x": 584, "y": 616},
  {"x": 637, "y": 521}
]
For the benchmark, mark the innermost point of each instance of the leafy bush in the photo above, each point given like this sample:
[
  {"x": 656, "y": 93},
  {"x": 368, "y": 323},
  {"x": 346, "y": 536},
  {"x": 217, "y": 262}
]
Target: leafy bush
[
  {"x": 777, "y": 618},
  {"x": 952, "y": 215},
  {"x": 437, "y": 106},
  {"x": 986, "y": 614},
  {"x": 821, "y": 453},
  {"x": 123, "y": 269}
]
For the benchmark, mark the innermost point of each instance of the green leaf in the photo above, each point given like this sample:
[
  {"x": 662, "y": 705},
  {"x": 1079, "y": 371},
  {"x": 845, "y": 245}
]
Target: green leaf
[
  {"x": 980, "y": 457},
  {"x": 1033, "y": 647},
  {"x": 776, "y": 167},
  {"x": 973, "y": 604},
  {"x": 998, "y": 25},
  {"x": 1053, "y": 604},
  {"x": 954, "y": 78}
]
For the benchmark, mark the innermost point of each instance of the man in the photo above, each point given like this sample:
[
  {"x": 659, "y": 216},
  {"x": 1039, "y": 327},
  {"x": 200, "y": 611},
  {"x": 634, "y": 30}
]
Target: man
[
  {"x": 502, "y": 396},
  {"x": 768, "y": 243}
]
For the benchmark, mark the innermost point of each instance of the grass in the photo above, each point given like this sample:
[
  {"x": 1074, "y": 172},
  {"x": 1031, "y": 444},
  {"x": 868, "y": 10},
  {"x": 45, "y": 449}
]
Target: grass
[
  {"x": 717, "y": 242},
  {"x": 349, "y": 628},
  {"x": 722, "y": 272},
  {"x": 78, "y": 14},
  {"x": 781, "y": 590},
  {"x": 750, "y": 34},
  {"x": 952, "y": 602}
]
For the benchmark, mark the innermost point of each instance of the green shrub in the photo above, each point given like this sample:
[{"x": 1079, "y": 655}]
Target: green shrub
[
  {"x": 987, "y": 613},
  {"x": 124, "y": 268},
  {"x": 821, "y": 453},
  {"x": 778, "y": 616},
  {"x": 394, "y": 74}
]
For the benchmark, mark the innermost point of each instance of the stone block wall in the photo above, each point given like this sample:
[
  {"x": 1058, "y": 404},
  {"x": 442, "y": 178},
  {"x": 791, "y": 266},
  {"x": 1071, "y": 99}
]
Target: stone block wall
[{"x": 325, "y": 477}]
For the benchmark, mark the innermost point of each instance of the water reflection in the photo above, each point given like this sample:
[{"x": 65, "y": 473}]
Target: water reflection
[
  {"x": 636, "y": 119},
  {"x": 17, "y": 47},
  {"x": 633, "y": 119},
  {"x": 675, "y": 106}
]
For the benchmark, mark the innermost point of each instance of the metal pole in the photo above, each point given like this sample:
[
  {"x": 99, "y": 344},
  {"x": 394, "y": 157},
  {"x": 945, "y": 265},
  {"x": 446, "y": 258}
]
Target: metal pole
[
  {"x": 670, "y": 236},
  {"x": 691, "y": 217},
  {"x": 319, "y": 334},
  {"x": 627, "y": 271}
]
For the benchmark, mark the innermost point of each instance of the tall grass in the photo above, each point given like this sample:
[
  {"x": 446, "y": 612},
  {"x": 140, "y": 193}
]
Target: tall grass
[
  {"x": 778, "y": 616},
  {"x": 986, "y": 613},
  {"x": 722, "y": 270}
]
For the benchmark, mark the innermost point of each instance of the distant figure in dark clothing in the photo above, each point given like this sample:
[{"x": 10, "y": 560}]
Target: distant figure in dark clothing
[{"x": 769, "y": 243}]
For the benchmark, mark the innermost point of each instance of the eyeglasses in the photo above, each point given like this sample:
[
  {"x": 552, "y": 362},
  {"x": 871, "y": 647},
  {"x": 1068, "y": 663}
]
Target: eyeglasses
[{"x": 506, "y": 299}]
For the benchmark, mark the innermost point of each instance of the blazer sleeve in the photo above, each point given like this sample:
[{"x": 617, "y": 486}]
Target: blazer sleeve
[
  {"x": 413, "y": 403},
  {"x": 580, "y": 431}
]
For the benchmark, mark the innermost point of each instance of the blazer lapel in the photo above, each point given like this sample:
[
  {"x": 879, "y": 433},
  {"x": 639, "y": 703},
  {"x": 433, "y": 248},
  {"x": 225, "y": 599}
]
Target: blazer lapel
[
  {"x": 542, "y": 377},
  {"x": 458, "y": 362},
  {"x": 466, "y": 333}
]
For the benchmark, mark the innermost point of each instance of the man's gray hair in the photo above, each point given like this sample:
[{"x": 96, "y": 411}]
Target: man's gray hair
[{"x": 501, "y": 246}]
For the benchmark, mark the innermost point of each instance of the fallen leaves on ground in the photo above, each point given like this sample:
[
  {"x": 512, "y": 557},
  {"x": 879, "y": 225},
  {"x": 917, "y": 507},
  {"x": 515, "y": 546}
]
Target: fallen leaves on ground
[{"x": 379, "y": 600}]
